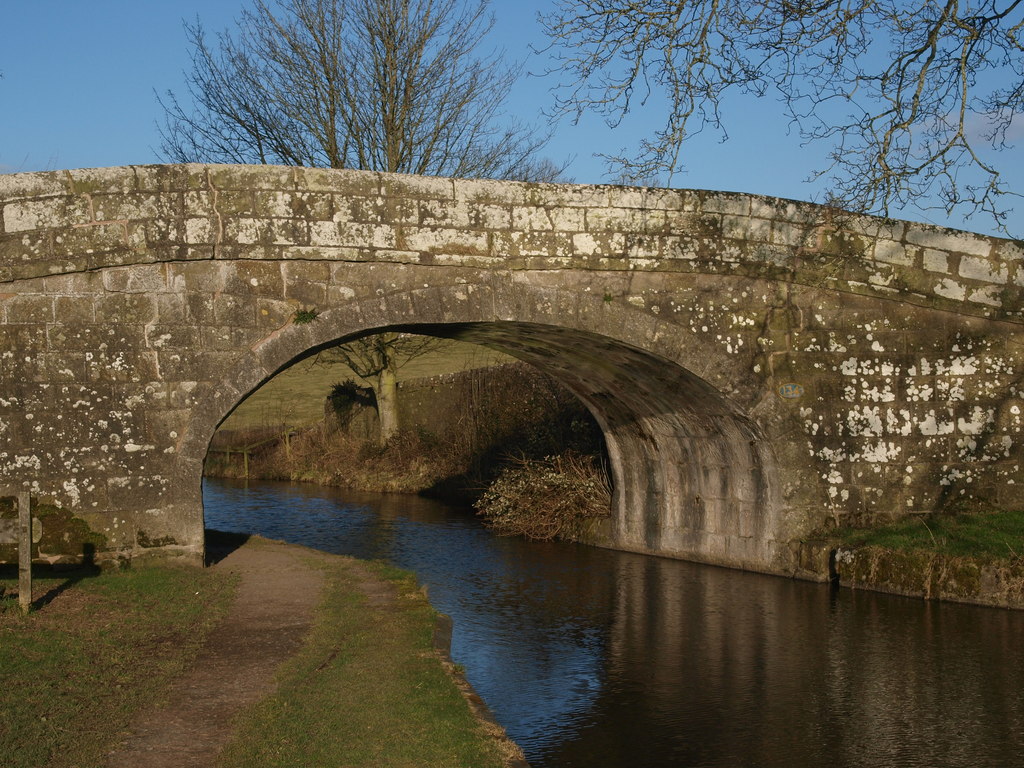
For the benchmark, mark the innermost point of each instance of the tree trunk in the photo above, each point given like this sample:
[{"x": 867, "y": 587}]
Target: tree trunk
[{"x": 387, "y": 403}]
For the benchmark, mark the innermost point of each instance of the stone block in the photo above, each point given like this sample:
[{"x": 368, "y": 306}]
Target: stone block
[
  {"x": 443, "y": 213},
  {"x": 234, "y": 310},
  {"x": 983, "y": 270},
  {"x": 32, "y": 309},
  {"x": 119, "y": 206},
  {"x": 565, "y": 219},
  {"x": 624, "y": 220},
  {"x": 725, "y": 203},
  {"x": 25, "y": 248},
  {"x": 126, "y": 308},
  {"x": 309, "y": 295},
  {"x": 892, "y": 252},
  {"x": 989, "y": 295},
  {"x": 162, "y": 336},
  {"x": 935, "y": 261},
  {"x": 289, "y": 204},
  {"x": 368, "y": 235},
  {"x": 336, "y": 180},
  {"x": 256, "y": 277},
  {"x": 418, "y": 187},
  {"x": 265, "y": 231},
  {"x": 251, "y": 177},
  {"x": 74, "y": 309},
  {"x": 17, "y": 186},
  {"x": 141, "y": 278},
  {"x": 45, "y": 213},
  {"x": 489, "y": 216},
  {"x": 199, "y": 230},
  {"x": 491, "y": 191},
  {"x": 511, "y": 245},
  {"x": 441, "y": 240},
  {"x": 171, "y": 178},
  {"x": 650, "y": 198},
  {"x": 531, "y": 219},
  {"x": 949, "y": 240}
]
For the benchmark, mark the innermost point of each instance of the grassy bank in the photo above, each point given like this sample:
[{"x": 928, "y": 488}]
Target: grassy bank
[
  {"x": 988, "y": 536},
  {"x": 970, "y": 558},
  {"x": 96, "y": 648},
  {"x": 367, "y": 689}
]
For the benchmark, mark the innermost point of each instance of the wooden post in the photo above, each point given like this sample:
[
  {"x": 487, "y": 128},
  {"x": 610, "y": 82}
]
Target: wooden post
[
  {"x": 245, "y": 463},
  {"x": 24, "y": 551}
]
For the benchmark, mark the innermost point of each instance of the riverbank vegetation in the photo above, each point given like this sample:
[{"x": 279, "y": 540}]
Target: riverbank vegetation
[
  {"x": 984, "y": 535},
  {"x": 549, "y": 498},
  {"x": 512, "y": 430},
  {"x": 367, "y": 690},
  {"x": 98, "y": 647}
]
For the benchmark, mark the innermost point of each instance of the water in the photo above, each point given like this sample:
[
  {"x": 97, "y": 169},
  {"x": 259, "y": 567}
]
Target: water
[{"x": 594, "y": 658}]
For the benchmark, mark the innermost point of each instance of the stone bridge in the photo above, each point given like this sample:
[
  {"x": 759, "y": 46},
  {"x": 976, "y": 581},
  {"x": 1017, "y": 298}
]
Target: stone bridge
[{"x": 762, "y": 369}]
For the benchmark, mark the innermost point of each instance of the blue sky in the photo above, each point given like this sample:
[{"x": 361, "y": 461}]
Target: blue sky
[{"x": 79, "y": 79}]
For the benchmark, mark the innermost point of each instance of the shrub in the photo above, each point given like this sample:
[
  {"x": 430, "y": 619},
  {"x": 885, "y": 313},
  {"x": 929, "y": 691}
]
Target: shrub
[{"x": 546, "y": 498}]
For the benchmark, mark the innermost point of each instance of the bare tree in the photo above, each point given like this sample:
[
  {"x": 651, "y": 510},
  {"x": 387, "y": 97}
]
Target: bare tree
[
  {"x": 383, "y": 85},
  {"x": 376, "y": 360},
  {"x": 913, "y": 95}
]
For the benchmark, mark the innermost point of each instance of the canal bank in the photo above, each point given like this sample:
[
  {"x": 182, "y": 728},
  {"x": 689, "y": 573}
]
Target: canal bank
[
  {"x": 931, "y": 575},
  {"x": 280, "y": 653},
  {"x": 585, "y": 653}
]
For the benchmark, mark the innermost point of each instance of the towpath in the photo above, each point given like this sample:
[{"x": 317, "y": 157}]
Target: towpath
[{"x": 279, "y": 587}]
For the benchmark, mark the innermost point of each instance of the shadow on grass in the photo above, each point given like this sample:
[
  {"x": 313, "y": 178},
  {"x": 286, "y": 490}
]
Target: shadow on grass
[
  {"x": 43, "y": 574},
  {"x": 220, "y": 544}
]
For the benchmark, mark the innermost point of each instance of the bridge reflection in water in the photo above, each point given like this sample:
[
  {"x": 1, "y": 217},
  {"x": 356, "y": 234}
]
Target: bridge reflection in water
[{"x": 592, "y": 657}]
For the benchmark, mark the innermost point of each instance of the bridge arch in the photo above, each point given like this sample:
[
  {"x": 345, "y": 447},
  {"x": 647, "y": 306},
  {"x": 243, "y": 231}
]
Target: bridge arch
[{"x": 693, "y": 476}]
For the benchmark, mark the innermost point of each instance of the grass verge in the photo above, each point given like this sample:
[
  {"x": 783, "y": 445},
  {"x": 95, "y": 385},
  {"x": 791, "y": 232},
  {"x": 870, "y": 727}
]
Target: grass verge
[
  {"x": 99, "y": 647},
  {"x": 367, "y": 689},
  {"x": 996, "y": 535}
]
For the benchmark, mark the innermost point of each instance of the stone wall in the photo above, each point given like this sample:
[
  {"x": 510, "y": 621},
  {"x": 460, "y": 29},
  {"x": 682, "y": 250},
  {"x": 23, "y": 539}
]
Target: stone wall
[{"x": 761, "y": 368}]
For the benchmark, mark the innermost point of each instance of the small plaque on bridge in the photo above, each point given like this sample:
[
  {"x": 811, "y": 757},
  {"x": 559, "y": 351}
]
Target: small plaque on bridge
[
  {"x": 791, "y": 391},
  {"x": 9, "y": 531}
]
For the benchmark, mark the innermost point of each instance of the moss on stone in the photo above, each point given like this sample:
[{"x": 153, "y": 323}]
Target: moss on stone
[
  {"x": 64, "y": 534},
  {"x": 147, "y": 542}
]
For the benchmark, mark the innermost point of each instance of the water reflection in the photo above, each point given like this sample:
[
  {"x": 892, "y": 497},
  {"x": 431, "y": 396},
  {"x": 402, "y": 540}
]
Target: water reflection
[{"x": 597, "y": 658}]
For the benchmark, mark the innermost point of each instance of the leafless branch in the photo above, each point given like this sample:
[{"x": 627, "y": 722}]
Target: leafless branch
[
  {"x": 914, "y": 96},
  {"x": 387, "y": 85}
]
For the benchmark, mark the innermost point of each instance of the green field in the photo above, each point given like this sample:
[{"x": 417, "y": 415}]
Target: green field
[{"x": 295, "y": 397}]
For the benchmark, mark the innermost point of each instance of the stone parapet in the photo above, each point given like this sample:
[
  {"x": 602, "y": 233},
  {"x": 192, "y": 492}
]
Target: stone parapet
[{"x": 70, "y": 221}]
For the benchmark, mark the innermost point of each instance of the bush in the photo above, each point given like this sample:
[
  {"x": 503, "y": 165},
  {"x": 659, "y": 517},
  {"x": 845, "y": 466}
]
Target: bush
[{"x": 546, "y": 498}]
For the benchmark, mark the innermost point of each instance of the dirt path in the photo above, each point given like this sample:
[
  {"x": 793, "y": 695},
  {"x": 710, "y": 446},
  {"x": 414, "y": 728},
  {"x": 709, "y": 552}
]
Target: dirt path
[{"x": 277, "y": 592}]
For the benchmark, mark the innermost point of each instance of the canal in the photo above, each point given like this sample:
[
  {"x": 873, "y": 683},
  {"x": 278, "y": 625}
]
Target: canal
[{"x": 591, "y": 657}]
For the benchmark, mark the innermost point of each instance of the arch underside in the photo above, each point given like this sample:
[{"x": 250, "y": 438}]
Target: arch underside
[{"x": 691, "y": 476}]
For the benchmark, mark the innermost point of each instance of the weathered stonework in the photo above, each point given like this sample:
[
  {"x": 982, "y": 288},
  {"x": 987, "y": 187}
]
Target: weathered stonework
[{"x": 762, "y": 368}]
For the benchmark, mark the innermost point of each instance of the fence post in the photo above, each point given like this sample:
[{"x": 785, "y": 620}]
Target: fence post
[{"x": 24, "y": 551}]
